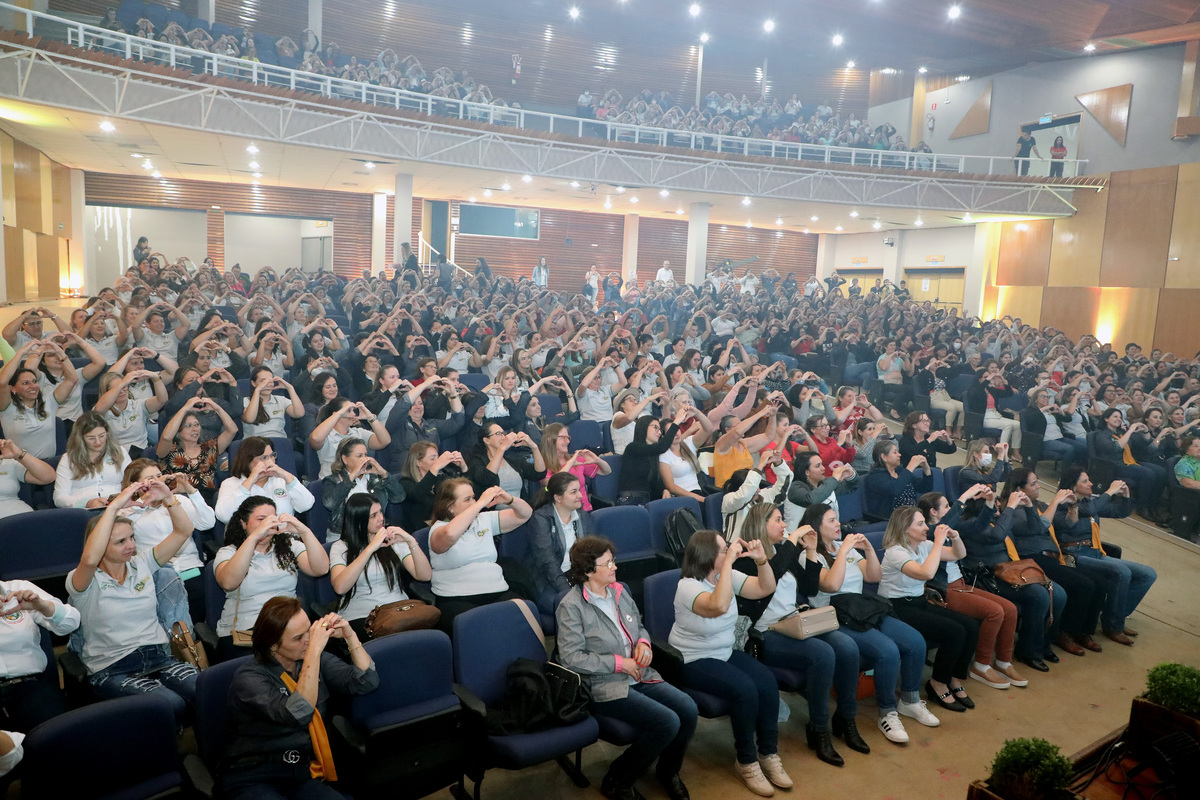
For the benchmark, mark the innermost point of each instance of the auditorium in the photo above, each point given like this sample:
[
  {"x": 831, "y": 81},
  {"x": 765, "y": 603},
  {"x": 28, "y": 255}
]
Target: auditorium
[{"x": 580, "y": 398}]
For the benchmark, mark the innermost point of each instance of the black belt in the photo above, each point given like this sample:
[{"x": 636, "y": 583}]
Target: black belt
[
  {"x": 6, "y": 682},
  {"x": 282, "y": 757}
]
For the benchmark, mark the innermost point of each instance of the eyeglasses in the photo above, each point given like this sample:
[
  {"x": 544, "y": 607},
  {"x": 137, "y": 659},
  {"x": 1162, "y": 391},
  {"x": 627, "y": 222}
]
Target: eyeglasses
[
  {"x": 610, "y": 564},
  {"x": 493, "y": 433},
  {"x": 267, "y": 457}
]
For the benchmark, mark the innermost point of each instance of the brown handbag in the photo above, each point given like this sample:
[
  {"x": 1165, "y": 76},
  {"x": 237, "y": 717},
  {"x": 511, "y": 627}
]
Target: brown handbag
[
  {"x": 185, "y": 648},
  {"x": 1025, "y": 572},
  {"x": 403, "y": 615}
]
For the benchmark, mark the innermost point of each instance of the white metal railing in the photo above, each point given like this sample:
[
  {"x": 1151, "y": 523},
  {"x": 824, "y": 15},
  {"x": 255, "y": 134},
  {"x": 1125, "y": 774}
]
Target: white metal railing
[{"x": 136, "y": 48}]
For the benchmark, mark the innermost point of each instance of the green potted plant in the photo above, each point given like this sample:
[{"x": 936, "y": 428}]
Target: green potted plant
[
  {"x": 1171, "y": 703},
  {"x": 1026, "y": 769}
]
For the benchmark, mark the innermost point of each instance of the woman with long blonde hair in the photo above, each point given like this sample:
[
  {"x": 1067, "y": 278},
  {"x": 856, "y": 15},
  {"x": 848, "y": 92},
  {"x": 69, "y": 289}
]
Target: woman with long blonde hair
[{"x": 91, "y": 470}]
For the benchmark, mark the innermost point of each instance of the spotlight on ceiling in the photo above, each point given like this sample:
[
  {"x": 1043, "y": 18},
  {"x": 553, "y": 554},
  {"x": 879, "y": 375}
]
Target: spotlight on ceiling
[
  {"x": 849, "y": 65},
  {"x": 107, "y": 126},
  {"x": 704, "y": 38},
  {"x": 574, "y": 12},
  {"x": 663, "y": 193},
  {"x": 1089, "y": 48},
  {"x": 526, "y": 179},
  {"x": 769, "y": 25},
  {"x": 694, "y": 9},
  {"x": 922, "y": 70},
  {"x": 837, "y": 40},
  {"x": 252, "y": 150},
  {"x": 954, "y": 12}
]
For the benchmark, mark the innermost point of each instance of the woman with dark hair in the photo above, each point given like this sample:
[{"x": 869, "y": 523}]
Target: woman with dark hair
[
  {"x": 830, "y": 661},
  {"x": 1058, "y": 156},
  {"x": 894, "y": 648},
  {"x": 277, "y": 700},
  {"x": 917, "y": 440},
  {"x": 355, "y": 472},
  {"x": 601, "y": 636},
  {"x": 365, "y": 564},
  {"x": 90, "y": 471},
  {"x": 1147, "y": 479},
  {"x": 255, "y": 473},
  {"x": 180, "y": 449},
  {"x": 502, "y": 459},
  {"x": 639, "y": 481},
  {"x": 910, "y": 559},
  {"x": 264, "y": 412},
  {"x": 422, "y": 474},
  {"x": 703, "y": 633},
  {"x": 482, "y": 270},
  {"x": 338, "y": 418},
  {"x": 558, "y": 520},
  {"x": 262, "y": 555},
  {"x": 889, "y": 486},
  {"x": 26, "y": 411},
  {"x": 462, "y": 547}
]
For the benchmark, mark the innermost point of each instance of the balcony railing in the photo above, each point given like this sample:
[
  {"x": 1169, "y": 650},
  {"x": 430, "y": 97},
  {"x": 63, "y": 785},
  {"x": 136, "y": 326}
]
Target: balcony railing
[{"x": 136, "y": 48}]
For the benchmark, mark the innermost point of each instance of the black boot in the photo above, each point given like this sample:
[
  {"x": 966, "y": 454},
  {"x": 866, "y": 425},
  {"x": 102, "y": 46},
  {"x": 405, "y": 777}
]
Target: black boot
[
  {"x": 822, "y": 743},
  {"x": 615, "y": 791},
  {"x": 846, "y": 729}
]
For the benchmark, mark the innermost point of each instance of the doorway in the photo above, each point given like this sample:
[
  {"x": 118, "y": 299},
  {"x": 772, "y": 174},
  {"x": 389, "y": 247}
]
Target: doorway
[{"x": 1046, "y": 132}]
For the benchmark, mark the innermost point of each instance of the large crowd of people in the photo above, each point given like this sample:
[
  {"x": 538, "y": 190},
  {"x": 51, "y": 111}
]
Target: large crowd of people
[{"x": 450, "y": 406}]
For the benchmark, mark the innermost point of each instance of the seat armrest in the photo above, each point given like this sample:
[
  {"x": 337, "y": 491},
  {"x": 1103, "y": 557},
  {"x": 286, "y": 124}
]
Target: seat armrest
[
  {"x": 207, "y": 636},
  {"x": 350, "y": 733},
  {"x": 73, "y": 666},
  {"x": 470, "y": 702},
  {"x": 667, "y": 660},
  {"x": 421, "y": 590},
  {"x": 198, "y": 775}
]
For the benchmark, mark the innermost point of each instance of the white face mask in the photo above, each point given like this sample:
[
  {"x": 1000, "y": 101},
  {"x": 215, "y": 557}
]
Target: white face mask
[
  {"x": 1084, "y": 386},
  {"x": 985, "y": 459}
]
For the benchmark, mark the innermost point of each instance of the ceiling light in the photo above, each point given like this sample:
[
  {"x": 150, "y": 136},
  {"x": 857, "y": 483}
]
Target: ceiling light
[
  {"x": 369, "y": 165},
  {"x": 252, "y": 150},
  {"x": 620, "y": 190},
  {"x": 156, "y": 174},
  {"x": 504, "y": 187},
  {"x": 254, "y": 165},
  {"x": 147, "y": 165},
  {"x": 574, "y": 184},
  {"x": 258, "y": 174},
  {"x": 814, "y": 218},
  {"x": 805, "y": 230},
  {"x": 216, "y": 208},
  {"x": 748, "y": 224},
  {"x": 769, "y": 25},
  {"x": 254, "y": 183},
  {"x": 854, "y": 214},
  {"x": 963, "y": 78},
  {"x": 838, "y": 228},
  {"x": 694, "y": 9},
  {"x": 633, "y": 199},
  {"x": 526, "y": 179},
  {"x": 966, "y": 217},
  {"x": 779, "y": 220},
  {"x": 136, "y": 155},
  {"x": 663, "y": 193},
  {"x": 607, "y": 203},
  {"x": 704, "y": 38},
  {"x": 919, "y": 222},
  {"x": 877, "y": 225},
  {"x": 954, "y": 12},
  {"x": 1087, "y": 48},
  {"x": 574, "y": 12},
  {"x": 745, "y": 201},
  {"x": 470, "y": 199},
  {"x": 837, "y": 40},
  {"x": 679, "y": 210},
  {"x": 922, "y": 70},
  {"x": 888, "y": 71},
  {"x": 107, "y": 126},
  {"x": 487, "y": 192},
  {"x": 849, "y": 65}
]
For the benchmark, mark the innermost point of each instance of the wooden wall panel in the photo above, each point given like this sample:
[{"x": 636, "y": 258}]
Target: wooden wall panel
[
  {"x": 1127, "y": 315},
  {"x": 661, "y": 240},
  {"x": 8, "y": 178},
  {"x": 1137, "y": 230},
  {"x": 61, "y": 201},
  {"x": 978, "y": 118},
  {"x": 1078, "y": 242},
  {"x": 351, "y": 213},
  {"x": 1110, "y": 107},
  {"x": 32, "y": 213},
  {"x": 1075, "y": 309},
  {"x": 888, "y": 88},
  {"x": 1024, "y": 253},
  {"x": 215, "y": 227},
  {"x": 14, "y": 264},
  {"x": 1183, "y": 264},
  {"x": 1175, "y": 325},
  {"x": 783, "y": 251},
  {"x": 568, "y": 263},
  {"x": 50, "y": 266},
  {"x": 1024, "y": 302}
]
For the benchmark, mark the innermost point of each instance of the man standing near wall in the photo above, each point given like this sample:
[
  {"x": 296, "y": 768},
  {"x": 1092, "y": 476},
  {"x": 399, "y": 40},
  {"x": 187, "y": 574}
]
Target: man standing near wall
[{"x": 1025, "y": 143}]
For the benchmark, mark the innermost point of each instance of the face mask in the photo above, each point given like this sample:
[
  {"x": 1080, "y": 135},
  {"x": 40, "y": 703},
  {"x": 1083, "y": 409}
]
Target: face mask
[
  {"x": 958, "y": 345},
  {"x": 1084, "y": 386},
  {"x": 985, "y": 459}
]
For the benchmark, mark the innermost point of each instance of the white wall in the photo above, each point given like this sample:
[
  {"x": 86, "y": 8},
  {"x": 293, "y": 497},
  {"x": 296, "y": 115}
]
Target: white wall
[
  {"x": 110, "y": 234},
  {"x": 849, "y": 246},
  {"x": 310, "y": 228},
  {"x": 256, "y": 241},
  {"x": 1027, "y": 93},
  {"x": 897, "y": 112},
  {"x": 956, "y": 244}
]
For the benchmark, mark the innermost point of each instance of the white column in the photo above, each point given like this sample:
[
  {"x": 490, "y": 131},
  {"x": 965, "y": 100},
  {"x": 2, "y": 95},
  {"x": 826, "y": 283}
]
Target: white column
[
  {"x": 629, "y": 248},
  {"x": 79, "y": 255},
  {"x": 825, "y": 255},
  {"x": 316, "y": 12},
  {"x": 208, "y": 10},
  {"x": 402, "y": 221},
  {"x": 891, "y": 260},
  {"x": 4, "y": 266},
  {"x": 987, "y": 239},
  {"x": 695, "y": 270},
  {"x": 378, "y": 232}
]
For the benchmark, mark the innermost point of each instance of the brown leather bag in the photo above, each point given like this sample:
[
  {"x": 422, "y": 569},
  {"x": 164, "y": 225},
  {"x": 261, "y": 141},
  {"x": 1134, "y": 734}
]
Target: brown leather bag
[
  {"x": 1025, "y": 572},
  {"x": 403, "y": 615},
  {"x": 187, "y": 649}
]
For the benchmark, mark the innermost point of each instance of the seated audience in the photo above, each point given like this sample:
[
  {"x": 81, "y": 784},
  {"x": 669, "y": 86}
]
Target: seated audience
[
  {"x": 355, "y": 472},
  {"x": 255, "y": 473}
]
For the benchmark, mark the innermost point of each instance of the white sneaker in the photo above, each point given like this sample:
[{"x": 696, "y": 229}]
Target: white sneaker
[
  {"x": 893, "y": 728},
  {"x": 919, "y": 712},
  {"x": 772, "y": 768},
  {"x": 752, "y": 776}
]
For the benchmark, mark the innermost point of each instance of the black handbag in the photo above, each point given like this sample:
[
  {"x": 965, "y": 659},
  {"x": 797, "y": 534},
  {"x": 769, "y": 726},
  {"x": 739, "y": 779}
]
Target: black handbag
[
  {"x": 979, "y": 575},
  {"x": 570, "y": 697},
  {"x": 860, "y": 612}
]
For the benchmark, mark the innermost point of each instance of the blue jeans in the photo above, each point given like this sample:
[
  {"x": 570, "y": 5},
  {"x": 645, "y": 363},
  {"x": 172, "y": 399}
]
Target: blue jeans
[
  {"x": 829, "y": 661},
  {"x": 753, "y": 696},
  {"x": 1146, "y": 482},
  {"x": 892, "y": 650},
  {"x": 164, "y": 677},
  {"x": 1126, "y": 583},
  {"x": 1034, "y": 637},
  {"x": 1070, "y": 450},
  {"x": 788, "y": 360},
  {"x": 665, "y": 719},
  {"x": 859, "y": 374}
]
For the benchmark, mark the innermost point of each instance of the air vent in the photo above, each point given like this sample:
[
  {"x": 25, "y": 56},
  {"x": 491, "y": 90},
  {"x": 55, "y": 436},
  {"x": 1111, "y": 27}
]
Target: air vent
[
  {"x": 348, "y": 183},
  {"x": 196, "y": 164}
]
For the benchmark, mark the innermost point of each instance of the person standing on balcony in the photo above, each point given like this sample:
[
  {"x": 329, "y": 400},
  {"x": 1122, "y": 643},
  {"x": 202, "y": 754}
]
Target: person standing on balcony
[{"x": 1025, "y": 144}]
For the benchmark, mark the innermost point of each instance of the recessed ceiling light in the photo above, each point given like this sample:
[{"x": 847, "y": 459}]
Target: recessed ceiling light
[
  {"x": 838, "y": 228},
  {"x": 252, "y": 150},
  {"x": 966, "y": 217},
  {"x": 922, "y": 70},
  {"x": 258, "y": 174},
  {"x": 107, "y": 126},
  {"x": 147, "y": 165},
  {"x": 704, "y": 38},
  {"x": 487, "y": 192},
  {"x": 607, "y": 203},
  {"x": 954, "y": 12},
  {"x": 369, "y": 165},
  {"x": 837, "y": 40},
  {"x": 1089, "y": 47},
  {"x": 814, "y": 218},
  {"x": 526, "y": 179},
  {"x": 136, "y": 155},
  {"x": 849, "y": 65},
  {"x": 254, "y": 183},
  {"x": 779, "y": 220},
  {"x": 805, "y": 230},
  {"x": 679, "y": 210},
  {"x": 877, "y": 225},
  {"x": 633, "y": 199},
  {"x": 854, "y": 215},
  {"x": 574, "y": 12},
  {"x": 254, "y": 165},
  {"x": 504, "y": 187},
  {"x": 574, "y": 184},
  {"x": 470, "y": 199},
  {"x": 769, "y": 25},
  {"x": 919, "y": 223},
  {"x": 748, "y": 224},
  {"x": 694, "y": 9},
  {"x": 745, "y": 201},
  {"x": 620, "y": 190},
  {"x": 216, "y": 208},
  {"x": 663, "y": 193},
  {"x": 156, "y": 174},
  {"x": 963, "y": 78},
  {"x": 888, "y": 71}
]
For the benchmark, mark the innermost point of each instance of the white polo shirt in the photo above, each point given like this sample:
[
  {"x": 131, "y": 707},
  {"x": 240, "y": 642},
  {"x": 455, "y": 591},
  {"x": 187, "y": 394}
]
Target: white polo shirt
[
  {"x": 698, "y": 637},
  {"x": 469, "y": 567},
  {"x": 28, "y": 430},
  {"x": 118, "y": 618},
  {"x": 20, "y": 638},
  {"x": 276, "y": 407},
  {"x": 129, "y": 426},
  {"x": 264, "y": 580},
  {"x": 371, "y": 588}
]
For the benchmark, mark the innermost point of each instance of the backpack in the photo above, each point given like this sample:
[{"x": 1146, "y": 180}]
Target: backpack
[
  {"x": 678, "y": 529},
  {"x": 537, "y": 696}
]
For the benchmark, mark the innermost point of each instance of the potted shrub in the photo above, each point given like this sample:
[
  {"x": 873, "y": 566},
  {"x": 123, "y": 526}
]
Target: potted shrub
[
  {"x": 1026, "y": 769},
  {"x": 1171, "y": 703}
]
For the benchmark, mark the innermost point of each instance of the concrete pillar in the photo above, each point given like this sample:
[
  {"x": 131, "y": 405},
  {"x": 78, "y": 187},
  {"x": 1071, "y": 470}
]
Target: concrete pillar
[
  {"x": 891, "y": 261},
  {"x": 402, "y": 220},
  {"x": 629, "y": 248},
  {"x": 825, "y": 255},
  {"x": 316, "y": 12},
  {"x": 4, "y": 265},
  {"x": 207, "y": 9},
  {"x": 978, "y": 273},
  {"x": 78, "y": 255},
  {"x": 379, "y": 232},
  {"x": 695, "y": 270}
]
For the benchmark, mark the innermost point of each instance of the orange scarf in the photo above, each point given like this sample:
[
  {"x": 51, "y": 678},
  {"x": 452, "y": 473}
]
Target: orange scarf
[{"x": 321, "y": 767}]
